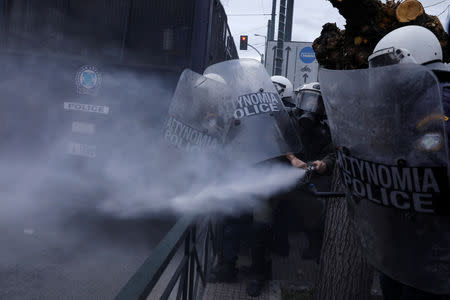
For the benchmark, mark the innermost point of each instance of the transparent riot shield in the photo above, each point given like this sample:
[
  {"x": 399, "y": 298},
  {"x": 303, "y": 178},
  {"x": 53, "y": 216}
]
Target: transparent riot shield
[
  {"x": 261, "y": 128},
  {"x": 198, "y": 117},
  {"x": 388, "y": 126}
]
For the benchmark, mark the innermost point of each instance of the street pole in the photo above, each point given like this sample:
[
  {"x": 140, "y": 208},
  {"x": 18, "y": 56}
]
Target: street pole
[
  {"x": 260, "y": 54},
  {"x": 271, "y": 36},
  {"x": 289, "y": 21},
  {"x": 280, "y": 40},
  {"x": 265, "y": 48}
]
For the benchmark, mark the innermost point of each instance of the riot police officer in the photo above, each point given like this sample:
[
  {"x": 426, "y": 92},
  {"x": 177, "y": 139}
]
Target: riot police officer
[
  {"x": 310, "y": 119},
  {"x": 285, "y": 89},
  {"x": 263, "y": 216},
  {"x": 260, "y": 131},
  {"x": 414, "y": 44},
  {"x": 280, "y": 243}
]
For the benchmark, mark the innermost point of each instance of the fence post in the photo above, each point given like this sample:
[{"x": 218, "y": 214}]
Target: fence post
[
  {"x": 187, "y": 248},
  {"x": 192, "y": 264}
]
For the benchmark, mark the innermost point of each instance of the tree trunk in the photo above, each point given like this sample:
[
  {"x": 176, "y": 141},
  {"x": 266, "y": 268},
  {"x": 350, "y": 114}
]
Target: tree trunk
[
  {"x": 343, "y": 273},
  {"x": 367, "y": 22},
  {"x": 409, "y": 10}
]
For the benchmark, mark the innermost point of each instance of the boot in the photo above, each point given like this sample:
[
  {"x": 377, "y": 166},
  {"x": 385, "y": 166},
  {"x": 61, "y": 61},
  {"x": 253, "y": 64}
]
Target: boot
[
  {"x": 225, "y": 270},
  {"x": 261, "y": 266},
  {"x": 258, "y": 280}
]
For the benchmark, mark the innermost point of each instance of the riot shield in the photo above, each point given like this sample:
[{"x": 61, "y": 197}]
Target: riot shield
[
  {"x": 198, "y": 117},
  {"x": 262, "y": 128},
  {"x": 388, "y": 126}
]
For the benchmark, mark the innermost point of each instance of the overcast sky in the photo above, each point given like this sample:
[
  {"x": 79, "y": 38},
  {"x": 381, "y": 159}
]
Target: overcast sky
[{"x": 309, "y": 16}]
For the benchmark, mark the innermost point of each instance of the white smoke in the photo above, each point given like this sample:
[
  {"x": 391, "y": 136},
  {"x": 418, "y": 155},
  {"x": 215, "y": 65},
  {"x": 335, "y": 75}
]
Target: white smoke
[
  {"x": 133, "y": 173},
  {"x": 201, "y": 186},
  {"x": 60, "y": 210}
]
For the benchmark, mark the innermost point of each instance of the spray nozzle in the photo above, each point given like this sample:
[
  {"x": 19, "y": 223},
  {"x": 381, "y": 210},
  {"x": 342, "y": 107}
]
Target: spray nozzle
[{"x": 310, "y": 170}]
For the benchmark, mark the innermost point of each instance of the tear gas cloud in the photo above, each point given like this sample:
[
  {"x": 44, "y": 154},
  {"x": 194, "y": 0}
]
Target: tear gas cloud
[
  {"x": 44, "y": 188},
  {"x": 133, "y": 174},
  {"x": 88, "y": 187},
  {"x": 198, "y": 186},
  {"x": 57, "y": 207}
]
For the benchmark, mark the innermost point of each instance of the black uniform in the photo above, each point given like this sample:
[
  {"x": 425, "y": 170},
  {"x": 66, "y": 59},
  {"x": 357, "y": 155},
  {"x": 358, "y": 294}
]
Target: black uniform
[{"x": 301, "y": 205}]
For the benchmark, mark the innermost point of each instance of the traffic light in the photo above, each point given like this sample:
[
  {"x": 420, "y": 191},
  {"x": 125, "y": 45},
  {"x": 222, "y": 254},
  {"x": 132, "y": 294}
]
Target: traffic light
[{"x": 244, "y": 42}]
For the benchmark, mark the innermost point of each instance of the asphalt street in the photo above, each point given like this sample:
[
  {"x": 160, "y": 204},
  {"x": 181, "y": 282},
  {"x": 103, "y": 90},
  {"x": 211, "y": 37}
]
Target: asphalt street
[{"x": 85, "y": 256}]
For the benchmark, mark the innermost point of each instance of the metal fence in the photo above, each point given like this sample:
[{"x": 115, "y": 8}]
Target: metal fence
[{"x": 187, "y": 277}]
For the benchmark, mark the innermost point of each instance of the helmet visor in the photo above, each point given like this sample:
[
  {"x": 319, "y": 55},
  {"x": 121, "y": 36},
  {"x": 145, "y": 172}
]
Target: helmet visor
[
  {"x": 310, "y": 101},
  {"x": 280, "y": 88},
  {"x": 390, "y": 56}
]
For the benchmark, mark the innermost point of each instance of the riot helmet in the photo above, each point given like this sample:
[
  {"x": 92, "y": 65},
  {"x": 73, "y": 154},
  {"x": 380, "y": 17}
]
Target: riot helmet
[
  {"x": 285, "y": 89},
  {"x": 309, "y": 101},
  {"x": 212, "y": 113},
  {"x": 215, "y": 77},
  {"x": 408, "y": 44}
]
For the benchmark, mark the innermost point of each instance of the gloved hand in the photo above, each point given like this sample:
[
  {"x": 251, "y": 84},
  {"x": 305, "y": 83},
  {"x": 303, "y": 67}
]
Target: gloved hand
[
  {"x": 295, "y": 162},
  {"x": 321, "y": 167}
]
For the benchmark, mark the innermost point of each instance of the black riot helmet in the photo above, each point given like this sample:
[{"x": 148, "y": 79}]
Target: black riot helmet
[{"x": 309, "y": 101}]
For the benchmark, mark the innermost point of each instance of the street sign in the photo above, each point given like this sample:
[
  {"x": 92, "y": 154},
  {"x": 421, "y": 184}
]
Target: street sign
[
  {"x": 299, "y": 62},
  {"x": 307, "y": 55}
]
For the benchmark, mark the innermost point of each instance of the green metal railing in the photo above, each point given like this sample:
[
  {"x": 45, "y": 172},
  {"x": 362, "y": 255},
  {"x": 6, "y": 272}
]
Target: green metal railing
[{"x": 190, "y": 272}]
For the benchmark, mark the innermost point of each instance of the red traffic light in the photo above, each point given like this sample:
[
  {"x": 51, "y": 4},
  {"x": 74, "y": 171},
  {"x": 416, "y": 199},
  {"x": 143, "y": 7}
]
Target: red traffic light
[{"x": 243, "y": 42}]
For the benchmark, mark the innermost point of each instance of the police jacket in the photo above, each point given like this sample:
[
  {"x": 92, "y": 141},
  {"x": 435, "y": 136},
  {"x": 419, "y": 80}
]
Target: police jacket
[
  {"x": 317, "y": 145},
  {"x": 444, "y": 83}
]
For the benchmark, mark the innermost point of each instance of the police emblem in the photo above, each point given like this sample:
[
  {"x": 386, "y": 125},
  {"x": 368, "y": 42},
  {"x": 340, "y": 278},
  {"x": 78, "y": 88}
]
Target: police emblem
[{"x": 88, "y": 80}]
